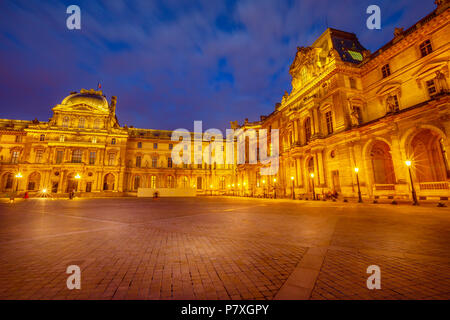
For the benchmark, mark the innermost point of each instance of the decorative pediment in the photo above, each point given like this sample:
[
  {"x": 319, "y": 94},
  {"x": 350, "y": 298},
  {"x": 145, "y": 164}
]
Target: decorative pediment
[
  {"x": 429, "y": 69},
  {"x": 389, "y": 87},
  {"x": 306, "y": 65}
]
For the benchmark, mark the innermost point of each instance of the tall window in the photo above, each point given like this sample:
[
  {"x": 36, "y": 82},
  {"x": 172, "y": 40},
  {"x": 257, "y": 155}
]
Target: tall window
[
  {"x": 138, "y": 161},
  {"x": 139, "y": 145},
  {"x": 62, "y": 138},
  {"x": 154, "y": 162},
  {"x": 9, "y": 181},
  {"x": 59, "y": 156},
  {"x": 81, "y": 122},
  {"x": 113, "y": 141},
  {"x": 76, "y": 156},
  {"x": 307, "y": 129},
  {"x": 386, "y": 71},
  {"x": 170, "y": 146},
  {"x": 352, "y": 83},
  {"x": 329, "y": 119},
  {"x": 137, "y": 182},
  {"x": 65, "y": 122},
  {"x": 94, "y": 139},
  {"x": 184, "y": 182},
  {"x": 199, "y": 183},
  {"x": 97, "y": 123},
  {"x": 39, "y": 154},
  {"x": 18, "y": 138},
  {"x": 111, "y": 158},
  {"x": 153, "y": 182},
  {"x": 170, "y": 182},
  {"x": 169, "y": 162},
  {"x": 431, "y": 88},
  {"x": 92, "y": 156},
  {"x": 42, "y": 137},
  {"x": 155, "y": 146},
  {"x": 425, "y": 48}
]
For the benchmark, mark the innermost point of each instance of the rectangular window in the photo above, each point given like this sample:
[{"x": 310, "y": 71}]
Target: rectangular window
[
  {"x": 431, "y": 87},
  {"x": 76, "y": 156},
  {"x": 155, "y": 146},
  {"x": 59, "y": 156},
  {"x": 92, "y": 156},
  {"x": 352, "y": 83},
  {"x": 329, "y": 119},
  {"x": 169, "y": 162},
  {"x": 138, "y": 161},
  {"x": 154, "y": 162},
  {"x": 139, "y": 145},
  {"x": 18, "y": 138},
  {"x": 199, "y": 166},
  {"x": 39, "y": 154},
  {"x": 15, "y": 157},
  {"x": 386, "y": 70},
  {"x": 426, "y": 48},
  {"x": 170, "y": 146},
  {"x": 111, "y": 159}
]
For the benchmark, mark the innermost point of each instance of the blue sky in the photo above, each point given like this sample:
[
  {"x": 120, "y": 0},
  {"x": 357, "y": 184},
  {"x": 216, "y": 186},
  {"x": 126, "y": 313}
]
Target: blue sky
[{"x": 172, "y": 62}]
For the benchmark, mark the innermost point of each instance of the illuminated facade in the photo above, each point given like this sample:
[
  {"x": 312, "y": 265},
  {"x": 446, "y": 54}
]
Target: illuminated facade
[
  {"x": 350, "y": 108},
  {"x": 83, "y": 148}
]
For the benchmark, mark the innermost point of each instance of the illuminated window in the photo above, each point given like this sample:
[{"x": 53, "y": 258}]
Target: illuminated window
[
  {"x": 153, "y": 182},
  {"x": 307, "y": 129},
  {"x": 76, "y": 156},
  {"x": 59, "y": 156},
  {"x": 39, "y": 154},
  {"x": 94, "y": 140},
  {"x": 92, "y": 156},
  {"x": 304, "y": 75},
  {"x": 170, "y": 182},
  {"x": 81, "y": 122},
  {"x": 426, "y": 48},
  {"x": 431, "y": 87},
  {"x": 386, "y": 70},
  {"x": 329, "y": 119},
  {"x": 65, "y": 122},
  {"x": 154, "y": 162},
  {"x": 138, "y": 161},
  {"x": 355, "y": 55},
  {"x": 184, "y": 182},
  {"x": 62, "y": 138},
  {"x": 111, "y": 159},
  {"x": 97, "y": 123}
]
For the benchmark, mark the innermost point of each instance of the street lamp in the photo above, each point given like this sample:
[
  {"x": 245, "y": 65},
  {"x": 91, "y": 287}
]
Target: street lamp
[
  {"x": 357, "y": 181},
  {"x": 264, "y": 188},
  {"x": 18, "y": 176},
  {"x": 312, "y": 180},
  {"x": 293, "y": 191},
  {"x": 77, "y": 177},
  {"x": 274, "y": 188},
  {"x": 413, "y": 191}
]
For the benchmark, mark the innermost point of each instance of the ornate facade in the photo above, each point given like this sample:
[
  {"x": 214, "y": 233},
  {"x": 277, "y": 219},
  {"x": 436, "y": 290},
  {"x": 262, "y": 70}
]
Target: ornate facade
[
  {"x": 350, "y": 108},
  {"x": 82, "y": 147}
]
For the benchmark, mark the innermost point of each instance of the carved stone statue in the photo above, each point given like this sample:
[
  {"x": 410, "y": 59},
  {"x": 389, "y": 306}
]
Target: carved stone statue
[
  {"x": 441, "y": 82},
  {"x": 398, "y": 32},
  {"x": 390, "y": 104}
]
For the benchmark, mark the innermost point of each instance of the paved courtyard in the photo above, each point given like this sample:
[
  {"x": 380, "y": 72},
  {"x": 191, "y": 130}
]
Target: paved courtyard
[{"x": 222, "y": 248}]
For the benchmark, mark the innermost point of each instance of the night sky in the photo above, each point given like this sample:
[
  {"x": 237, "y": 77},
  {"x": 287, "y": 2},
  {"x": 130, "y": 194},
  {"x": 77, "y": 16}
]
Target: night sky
[{"x": 172, "y": 62}]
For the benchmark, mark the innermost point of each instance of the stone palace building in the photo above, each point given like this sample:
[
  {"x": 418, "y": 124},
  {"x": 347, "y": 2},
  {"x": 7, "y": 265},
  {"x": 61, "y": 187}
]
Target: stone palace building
[{"x": 350, "y": 108}]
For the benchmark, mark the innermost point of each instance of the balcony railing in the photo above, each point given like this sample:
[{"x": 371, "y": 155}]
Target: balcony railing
[
  {"x": 385, "y": 187},
  {"x": 441, "y": 185}
]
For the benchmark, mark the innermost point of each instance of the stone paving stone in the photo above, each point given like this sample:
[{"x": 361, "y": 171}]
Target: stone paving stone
[{"x": 220, "y": 248}]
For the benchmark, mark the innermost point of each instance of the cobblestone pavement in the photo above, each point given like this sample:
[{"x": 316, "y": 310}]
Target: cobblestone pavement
[{"x": 222, "y": 248}]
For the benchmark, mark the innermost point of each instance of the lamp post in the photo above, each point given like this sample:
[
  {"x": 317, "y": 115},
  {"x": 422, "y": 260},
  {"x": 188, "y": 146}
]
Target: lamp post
[
  {"x": 233, "y": 188},
  {"x": 274, "y": 188},
  {"x": 293, "y": 191},
  {"x": 312, "y": 180},
  {"x": 77, "y": 177},
  {"x": 413, "y": 191},
  {"x": 18, "y": 177},
  {"x": 359, "y": 190},
  {"x": 264, "y": 188}
]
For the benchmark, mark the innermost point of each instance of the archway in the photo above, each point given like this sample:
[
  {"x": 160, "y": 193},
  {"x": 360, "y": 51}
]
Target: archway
[
  {"x": 310, "y": 169},
  {"x": 382, "y": 165},
  {"x": 72, "y": 183},
  {"x": 427, "y": 153},
  {"x": 108, "y": 182},
  {"x": 7, "y": 181},
  {"x": 34, "y": 180}
]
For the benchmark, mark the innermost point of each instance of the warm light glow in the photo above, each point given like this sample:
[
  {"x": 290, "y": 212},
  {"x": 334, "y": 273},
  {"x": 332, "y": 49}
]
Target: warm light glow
[
  {"x": 292, "y": 178},
  {"x": 211, "y": 186},
  {"x": 19, "y": 175},
  {"x": 264, "y": 181},
  {"x": 274, "y": 180},
  {"x": 44, "y": 190},
  {"x": 228, "y": 186},
  {"x": 356, "y": 170},
  {"x": 408, "y": 163},
  {"x": 239, "y": 184},
  {"x": 311, "y": 175},
  {"x": 244, "y": 183},
  {"x": 78, "y": 176},
  {"x": 232, "y": 185}
]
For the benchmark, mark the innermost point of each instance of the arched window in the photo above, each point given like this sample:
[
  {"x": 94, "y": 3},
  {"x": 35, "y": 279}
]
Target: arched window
[
  {"x": 383, "y": 168},
  {"x": 81, "y": 122},
  {"x": 307, "y": 129},
  {"x": 42, "y": 137},
  {"x": 113, "y": 141},
  {"x": 65, "y": 122},
  {"x": 77, "y": 155}
]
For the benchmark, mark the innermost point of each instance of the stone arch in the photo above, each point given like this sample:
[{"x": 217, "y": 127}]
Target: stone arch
[
  {"x": 109, "y": 182},
  {"x": 72, "y": 183},
  {"x": 426, "y": 148},
  {"x": 7, "y": 181},
  {"x": 34, "y": 181}
]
